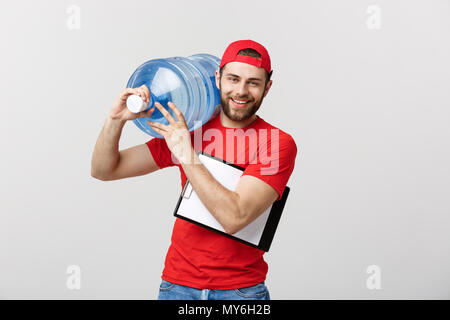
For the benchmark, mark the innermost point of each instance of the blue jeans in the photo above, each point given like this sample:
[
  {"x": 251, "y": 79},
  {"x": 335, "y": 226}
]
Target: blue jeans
[{"x": 171, "y": 291}]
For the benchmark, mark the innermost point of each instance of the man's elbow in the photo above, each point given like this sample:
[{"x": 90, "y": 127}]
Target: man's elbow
[
  {"x": 235, "y": 226},
  {"x": 232, "y": 230},
  {"x": 98, "y": 176}
]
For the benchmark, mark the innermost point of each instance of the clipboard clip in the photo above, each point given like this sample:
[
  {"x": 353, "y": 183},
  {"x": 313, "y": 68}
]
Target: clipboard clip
[{"x": 187, "y": 190}]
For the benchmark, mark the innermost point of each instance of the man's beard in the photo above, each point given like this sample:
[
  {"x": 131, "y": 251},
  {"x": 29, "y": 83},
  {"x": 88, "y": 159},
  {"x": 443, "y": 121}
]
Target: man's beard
[{"x": 242, "y": 114}]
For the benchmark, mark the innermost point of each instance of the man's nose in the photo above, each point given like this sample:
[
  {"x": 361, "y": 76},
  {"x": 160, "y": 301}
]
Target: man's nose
[{"x": 242, "y": 89}]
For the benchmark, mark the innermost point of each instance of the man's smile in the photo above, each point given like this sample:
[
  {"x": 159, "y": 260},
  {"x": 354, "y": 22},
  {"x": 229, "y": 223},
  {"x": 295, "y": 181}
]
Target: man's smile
[{"x": 239, "y": 103}]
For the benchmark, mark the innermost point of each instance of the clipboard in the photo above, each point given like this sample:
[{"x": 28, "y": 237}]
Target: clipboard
[{"x": 258, "y": 234}]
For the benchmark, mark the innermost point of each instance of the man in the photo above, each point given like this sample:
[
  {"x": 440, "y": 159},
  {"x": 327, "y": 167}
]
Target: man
[{"x": 202, "y": 264}]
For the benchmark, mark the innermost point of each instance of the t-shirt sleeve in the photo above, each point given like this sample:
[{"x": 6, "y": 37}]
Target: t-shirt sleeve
[
  {"x": 160, "y": 152},
  {"x": 276, "y": 166}
]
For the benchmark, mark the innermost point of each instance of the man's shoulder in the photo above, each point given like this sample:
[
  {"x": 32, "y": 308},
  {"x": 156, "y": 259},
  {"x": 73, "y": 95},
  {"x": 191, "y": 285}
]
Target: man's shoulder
[{"x": 283, "y": 136}]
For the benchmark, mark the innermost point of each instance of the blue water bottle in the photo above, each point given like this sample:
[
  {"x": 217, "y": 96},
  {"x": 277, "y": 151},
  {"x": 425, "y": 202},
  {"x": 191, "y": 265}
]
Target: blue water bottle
[{"x": 187, "y": 82}]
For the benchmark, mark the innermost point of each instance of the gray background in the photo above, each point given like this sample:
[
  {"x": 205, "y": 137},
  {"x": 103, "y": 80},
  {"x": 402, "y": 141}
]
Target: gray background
[{"x": 369, "y": 110}]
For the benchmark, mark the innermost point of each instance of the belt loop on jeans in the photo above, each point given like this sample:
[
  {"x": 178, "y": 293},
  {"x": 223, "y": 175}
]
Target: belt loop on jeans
[{"x": 205, "y": 294}]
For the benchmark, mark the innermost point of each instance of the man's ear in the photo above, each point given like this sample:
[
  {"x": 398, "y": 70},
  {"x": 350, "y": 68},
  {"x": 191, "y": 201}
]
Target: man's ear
[
  {"x": 268, "y": 85},
  {"x": 218, "y": 79}
]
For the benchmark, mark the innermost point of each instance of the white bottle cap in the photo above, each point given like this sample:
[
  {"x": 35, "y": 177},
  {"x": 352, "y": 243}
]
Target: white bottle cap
[{"x": 135, "y": 104}]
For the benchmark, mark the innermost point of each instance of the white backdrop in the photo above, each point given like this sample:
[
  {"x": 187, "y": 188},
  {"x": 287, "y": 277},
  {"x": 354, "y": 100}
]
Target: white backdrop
[{"x": 362, "y": 86}]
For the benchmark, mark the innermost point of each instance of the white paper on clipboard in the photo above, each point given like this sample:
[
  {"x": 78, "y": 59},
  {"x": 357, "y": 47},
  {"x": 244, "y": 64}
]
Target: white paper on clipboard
[{"x": 192, "y": 208}]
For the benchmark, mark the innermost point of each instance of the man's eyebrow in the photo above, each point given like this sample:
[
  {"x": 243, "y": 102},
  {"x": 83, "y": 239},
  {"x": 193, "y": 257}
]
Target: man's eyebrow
[{"x": 235, "y": 75}]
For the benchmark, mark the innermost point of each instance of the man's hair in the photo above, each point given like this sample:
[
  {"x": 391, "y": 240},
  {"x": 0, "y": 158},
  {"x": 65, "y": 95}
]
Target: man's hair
[{"x": 250, "y": 53}]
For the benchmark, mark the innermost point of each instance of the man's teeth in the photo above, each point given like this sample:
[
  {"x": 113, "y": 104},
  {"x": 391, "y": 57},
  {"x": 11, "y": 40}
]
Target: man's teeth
[{"x": 242, "y": 102}]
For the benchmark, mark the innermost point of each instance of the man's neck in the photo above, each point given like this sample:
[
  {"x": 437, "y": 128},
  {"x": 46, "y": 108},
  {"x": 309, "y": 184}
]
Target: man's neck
[{"x": 228, "y": 123}]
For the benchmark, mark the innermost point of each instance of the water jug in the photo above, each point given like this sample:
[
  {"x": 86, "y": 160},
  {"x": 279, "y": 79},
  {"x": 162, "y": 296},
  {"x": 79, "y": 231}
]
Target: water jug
[{"x": 187, "y": 82}]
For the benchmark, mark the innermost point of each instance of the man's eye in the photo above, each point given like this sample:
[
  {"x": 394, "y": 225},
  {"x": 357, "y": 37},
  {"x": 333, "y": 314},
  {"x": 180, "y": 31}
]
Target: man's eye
[{"x": 254, "y": 83}]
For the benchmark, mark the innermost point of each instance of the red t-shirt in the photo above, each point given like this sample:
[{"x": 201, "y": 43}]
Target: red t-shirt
[{"x": 203, "y": 259}]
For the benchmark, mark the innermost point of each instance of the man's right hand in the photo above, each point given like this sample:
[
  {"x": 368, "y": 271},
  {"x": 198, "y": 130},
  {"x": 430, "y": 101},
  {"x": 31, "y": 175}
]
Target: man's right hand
[{"x": 120, "y": 111}]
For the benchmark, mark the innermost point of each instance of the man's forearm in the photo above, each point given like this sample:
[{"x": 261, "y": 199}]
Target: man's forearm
[
  {"x": 221, "y": 202},
  {"x": 106, "y": 152}
]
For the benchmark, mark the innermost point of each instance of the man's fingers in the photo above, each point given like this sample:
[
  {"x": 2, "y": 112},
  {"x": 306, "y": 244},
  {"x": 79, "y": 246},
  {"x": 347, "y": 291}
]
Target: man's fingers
[
  {"x": 161, "y": 132},
  {"x": 159, "y": 126},
  {"x": 165, "y": 113},
  {"x": 141, "y": 91},
  {"x": 145, "y": 91},
  {"x": 150, "y": 111},
  {"x": 147, "y": 113},
  {"x": 127, "y": 92},
  {"x": 178, "y": 113}
]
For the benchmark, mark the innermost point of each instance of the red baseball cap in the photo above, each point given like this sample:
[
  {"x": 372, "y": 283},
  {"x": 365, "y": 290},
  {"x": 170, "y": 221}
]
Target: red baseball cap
[{"x": 231, "y": 54}]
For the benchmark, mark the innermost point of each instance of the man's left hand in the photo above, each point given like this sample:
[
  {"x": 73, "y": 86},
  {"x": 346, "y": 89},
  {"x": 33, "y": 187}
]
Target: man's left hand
[{"x": 176, "y": 133}]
